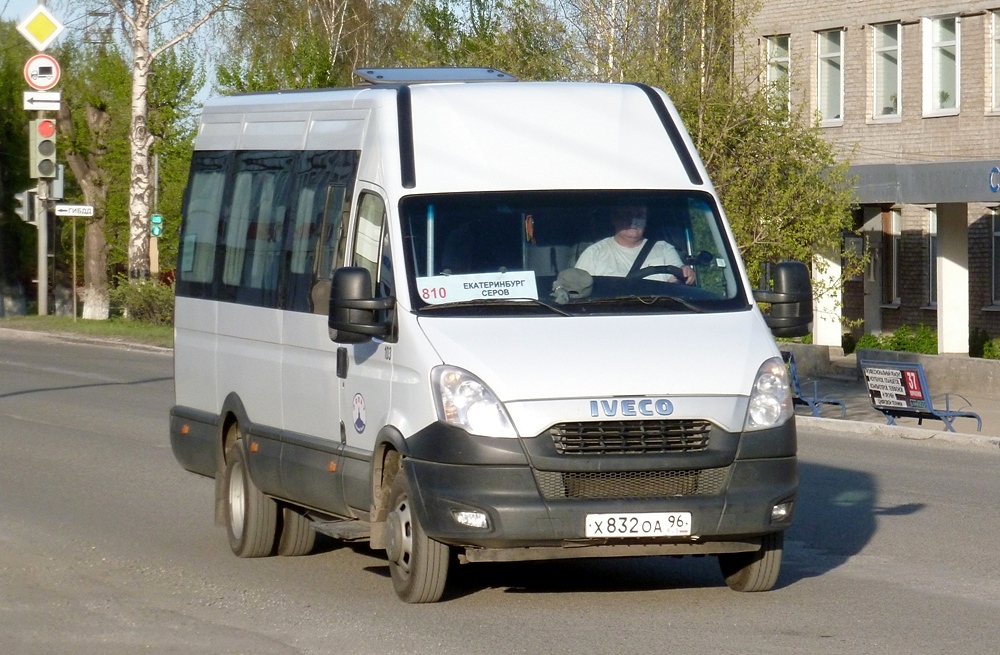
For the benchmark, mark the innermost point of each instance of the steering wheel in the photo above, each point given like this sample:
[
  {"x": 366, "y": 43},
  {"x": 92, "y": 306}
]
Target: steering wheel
[{"x": 660, "y": 270}]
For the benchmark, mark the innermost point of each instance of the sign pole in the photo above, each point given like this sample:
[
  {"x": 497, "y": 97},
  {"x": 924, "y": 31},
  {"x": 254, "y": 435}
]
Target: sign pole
[
  {"x": 74, "y": 269},
  {"x": 42, "y": 223}
]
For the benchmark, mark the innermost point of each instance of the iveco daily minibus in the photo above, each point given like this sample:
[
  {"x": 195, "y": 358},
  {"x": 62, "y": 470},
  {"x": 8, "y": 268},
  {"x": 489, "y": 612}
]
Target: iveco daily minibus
[{"x": 399, "y": 319}]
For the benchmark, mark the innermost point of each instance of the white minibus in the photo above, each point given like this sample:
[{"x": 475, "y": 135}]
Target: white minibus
[{"x": 470, "y": 319}]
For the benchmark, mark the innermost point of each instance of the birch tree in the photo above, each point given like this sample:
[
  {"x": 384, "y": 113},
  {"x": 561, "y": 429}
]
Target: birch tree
[{"x": 169, "y": 22}]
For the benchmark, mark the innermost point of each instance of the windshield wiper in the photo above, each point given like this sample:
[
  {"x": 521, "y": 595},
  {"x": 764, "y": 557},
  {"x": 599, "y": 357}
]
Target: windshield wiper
[
  {"x": 649, "y": 301},
  {"x": 496, "y": 302}
]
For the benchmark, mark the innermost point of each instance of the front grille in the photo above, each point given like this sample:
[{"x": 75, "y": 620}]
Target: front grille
[
  {"x": 630, "y": 437},
  {"x": 631, "y": 484}
]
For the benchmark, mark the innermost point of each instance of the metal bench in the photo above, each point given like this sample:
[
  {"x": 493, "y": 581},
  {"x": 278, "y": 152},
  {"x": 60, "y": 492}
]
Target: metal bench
[
  {"x": 900, "y": 390},
  {"x": 813, "y": 402}
]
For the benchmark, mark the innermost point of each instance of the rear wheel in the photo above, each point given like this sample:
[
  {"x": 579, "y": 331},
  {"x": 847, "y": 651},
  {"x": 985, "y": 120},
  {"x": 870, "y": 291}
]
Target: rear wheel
[
  {"x": 297, "y": 534},
  {"x": 251, "y": 517},
  {"x": 756, "y": 571},
  {"x": 418, "y": 564}
]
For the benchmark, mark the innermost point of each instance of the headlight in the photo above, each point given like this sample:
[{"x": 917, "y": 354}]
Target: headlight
[
  {"x": 771, "y": 397},
  {"x": 463, "y": 400}
]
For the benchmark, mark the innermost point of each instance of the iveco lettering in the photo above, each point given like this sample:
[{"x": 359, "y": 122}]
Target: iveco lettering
[{"x": 466, "y": 319}]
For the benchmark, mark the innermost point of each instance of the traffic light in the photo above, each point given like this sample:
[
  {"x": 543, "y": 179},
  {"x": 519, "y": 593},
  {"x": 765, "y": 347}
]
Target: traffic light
[
  {"x": 26, "y": 200},
  {"x": 156, "y": 225},
  {"x": 42, "y": 159}
]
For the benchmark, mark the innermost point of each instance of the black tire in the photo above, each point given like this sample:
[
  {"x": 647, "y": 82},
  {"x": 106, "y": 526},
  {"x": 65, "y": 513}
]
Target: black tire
[
  {"x": 297, "y": 535},
  {"x": 251, "y": 517},
  {"x": 756, "y": 571},
  {"x": 418, "y": 565}
]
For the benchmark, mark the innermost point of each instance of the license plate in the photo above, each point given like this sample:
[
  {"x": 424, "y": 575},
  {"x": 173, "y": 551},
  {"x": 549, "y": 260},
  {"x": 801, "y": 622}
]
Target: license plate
[{"x": 658, "y": 524}]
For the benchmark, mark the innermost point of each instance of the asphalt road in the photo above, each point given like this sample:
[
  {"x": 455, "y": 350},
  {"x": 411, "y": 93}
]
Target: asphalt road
[{"x": 108, "y": 547}]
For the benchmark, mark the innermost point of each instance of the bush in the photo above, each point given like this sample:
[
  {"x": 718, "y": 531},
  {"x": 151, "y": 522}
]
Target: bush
[
  {"x": 991, "y": 349},
  {"x": 870, "y": 342},
  {"x": 924, "y": 340},
  {"x": 146, "y": 302}
]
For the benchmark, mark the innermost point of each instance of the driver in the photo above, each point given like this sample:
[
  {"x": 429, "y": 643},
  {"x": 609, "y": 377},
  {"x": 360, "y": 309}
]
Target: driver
[{"x": 616, "y": 255}]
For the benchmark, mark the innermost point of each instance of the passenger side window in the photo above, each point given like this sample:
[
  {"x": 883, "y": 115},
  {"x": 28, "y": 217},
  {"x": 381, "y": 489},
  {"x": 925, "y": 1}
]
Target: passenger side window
[
  {"x": 368, "y": 238},
  {"x": 255, "y": 227},
  {"x": 196, "y": 265}
]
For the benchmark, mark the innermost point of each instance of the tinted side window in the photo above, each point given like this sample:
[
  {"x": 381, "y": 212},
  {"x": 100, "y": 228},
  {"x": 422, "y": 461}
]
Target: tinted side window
[
  {"x": 202, "y": 212},
  {"x": 265, "y": 228},
  {"x": 254, "y": 229},
  {"x": 310, "y": 251}
]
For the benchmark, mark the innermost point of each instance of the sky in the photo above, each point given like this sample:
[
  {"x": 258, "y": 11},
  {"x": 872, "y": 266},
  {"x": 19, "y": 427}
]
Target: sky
[{"x": 17, "y": 10}]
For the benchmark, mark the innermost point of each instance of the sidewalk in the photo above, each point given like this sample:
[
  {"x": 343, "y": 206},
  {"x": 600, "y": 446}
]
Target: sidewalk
[{"x": 861, "y": 418}]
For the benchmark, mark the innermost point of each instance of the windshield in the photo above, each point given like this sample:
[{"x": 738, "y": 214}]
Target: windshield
[{"x": 572, "y": 252}]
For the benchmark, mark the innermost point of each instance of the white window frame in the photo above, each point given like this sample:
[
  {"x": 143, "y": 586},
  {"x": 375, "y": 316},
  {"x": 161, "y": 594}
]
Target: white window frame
[
  {"x": 935, "y": 101},
  {"x": 775, "y": 62},
  {"x": 879, "y": 54},
  {"x": 894, "y": 263},
  {"x": 996, "y": 257},
  {"x": 995, "y": 59},
  {"x": 829, "y": 63},
  {"x": 932, "y": 256}
]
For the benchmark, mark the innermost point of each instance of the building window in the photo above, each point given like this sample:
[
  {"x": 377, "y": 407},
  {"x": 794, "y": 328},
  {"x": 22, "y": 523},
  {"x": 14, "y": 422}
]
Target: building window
[
  {"x": 830, "y": 89},
  {"x": 941, "y": 65},
  {"x": 932, "y": 257},
  {"x": 886, "y": 82},
  {"x": 996, "y": 257},
  {"x": 779, "y": 65},
  {"x": 995, "y": 52},
  {"x": 892, "y": 227}
]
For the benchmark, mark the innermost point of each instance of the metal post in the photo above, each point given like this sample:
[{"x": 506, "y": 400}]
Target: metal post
[
  {"x": 74, "y": 269},
  {"x": 154, "y": 242},
  {"x": 42, "y": 223}
]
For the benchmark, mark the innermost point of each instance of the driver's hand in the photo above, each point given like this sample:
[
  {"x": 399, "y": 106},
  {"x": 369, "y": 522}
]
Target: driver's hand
[{"x": 689, "y": 274}]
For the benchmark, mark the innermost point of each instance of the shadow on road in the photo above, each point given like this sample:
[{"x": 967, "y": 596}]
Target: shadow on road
[{"x": 836, "y": 517}]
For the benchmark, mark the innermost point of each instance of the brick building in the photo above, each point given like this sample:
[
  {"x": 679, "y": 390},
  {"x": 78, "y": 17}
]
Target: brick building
[{"x": 909, "y": 92}]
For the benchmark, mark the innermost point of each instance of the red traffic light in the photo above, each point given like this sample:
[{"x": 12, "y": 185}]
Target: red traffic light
[{"x": 46, "y": 128}]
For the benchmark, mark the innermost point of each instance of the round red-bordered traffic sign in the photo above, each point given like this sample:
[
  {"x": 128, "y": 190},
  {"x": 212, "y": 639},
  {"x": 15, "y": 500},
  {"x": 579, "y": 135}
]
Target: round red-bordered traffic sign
[{"x": 42, "y": 72}]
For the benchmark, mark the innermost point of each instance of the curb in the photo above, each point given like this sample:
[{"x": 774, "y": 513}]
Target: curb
[
  {"x": 865, "y": 429},
  {"x": 39, "y": 335}
]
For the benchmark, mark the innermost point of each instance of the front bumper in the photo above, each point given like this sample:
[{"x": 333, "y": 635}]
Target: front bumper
[{"x": 536, "y": 503}]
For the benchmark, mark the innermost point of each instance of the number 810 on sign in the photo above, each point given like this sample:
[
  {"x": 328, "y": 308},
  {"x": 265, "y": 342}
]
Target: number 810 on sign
[{"x": 653, "y": 524}]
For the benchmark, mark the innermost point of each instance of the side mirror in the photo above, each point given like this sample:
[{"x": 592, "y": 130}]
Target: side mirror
[
  {"x": 354, "y": 312},
  {"x": 788, "y": 292},
  {"x": 702, "y": 258}
]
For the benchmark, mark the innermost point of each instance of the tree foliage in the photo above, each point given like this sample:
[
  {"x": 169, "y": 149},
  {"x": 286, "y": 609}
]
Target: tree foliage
[
  {"x": 786, "y": 194},
  {"x": 521, "y": 37},
  {"x": 17, "y": 239},
  {"x": 288, "y": 44}
]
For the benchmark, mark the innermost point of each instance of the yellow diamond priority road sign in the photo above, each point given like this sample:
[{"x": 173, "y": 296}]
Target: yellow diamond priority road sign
[{"x": 40, "y": 28}]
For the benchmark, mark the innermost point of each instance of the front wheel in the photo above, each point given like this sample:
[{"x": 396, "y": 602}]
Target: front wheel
[
  {"x": 251, "y": 517},
  {"x": 417, "y": 563},
  {"x": 756, "y": 571}
]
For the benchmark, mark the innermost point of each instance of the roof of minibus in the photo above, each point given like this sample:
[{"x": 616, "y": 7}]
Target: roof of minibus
[{"x": 477, "y": 136}]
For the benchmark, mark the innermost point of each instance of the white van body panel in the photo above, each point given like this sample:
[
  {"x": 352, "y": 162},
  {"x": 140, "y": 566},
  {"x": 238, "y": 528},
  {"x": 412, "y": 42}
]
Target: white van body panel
[
  {"x": 564, "y": 136},
  {"x": 545, "y": 359}
]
